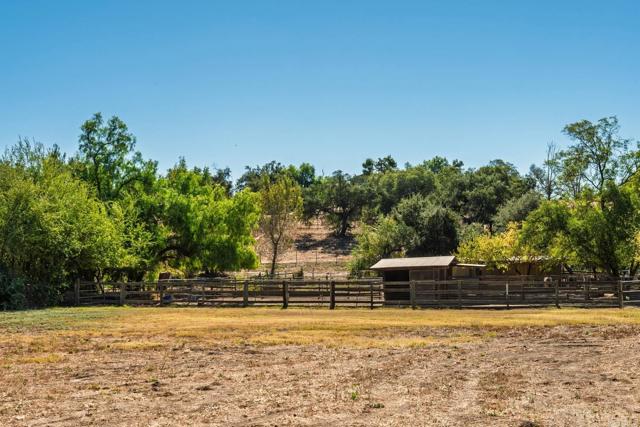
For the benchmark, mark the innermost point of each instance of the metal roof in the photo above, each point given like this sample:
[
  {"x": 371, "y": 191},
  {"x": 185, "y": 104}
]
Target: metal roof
[{"x": 417, "y": 262}]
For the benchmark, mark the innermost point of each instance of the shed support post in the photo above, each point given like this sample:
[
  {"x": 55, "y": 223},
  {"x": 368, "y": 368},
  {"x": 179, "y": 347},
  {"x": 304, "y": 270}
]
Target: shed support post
[
  {"x": 557, "y": 293},
  {"x": 412, "y": 294},
  {"x": 332, "y": 295},
  {"x": 245, "y": 293}
]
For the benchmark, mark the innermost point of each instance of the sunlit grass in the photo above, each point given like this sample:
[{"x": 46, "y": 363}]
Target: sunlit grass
[{"x": 40, "y": 336}]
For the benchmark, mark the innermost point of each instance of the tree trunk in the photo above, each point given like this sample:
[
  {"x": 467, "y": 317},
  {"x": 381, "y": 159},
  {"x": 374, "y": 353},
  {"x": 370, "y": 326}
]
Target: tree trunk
[
  {"x": 274, "y": 258},
  {"x": 344, "y": 226}
]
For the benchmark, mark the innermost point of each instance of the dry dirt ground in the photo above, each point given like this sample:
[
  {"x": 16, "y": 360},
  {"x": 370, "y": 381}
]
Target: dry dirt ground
[{"x": 271, "y": 367}]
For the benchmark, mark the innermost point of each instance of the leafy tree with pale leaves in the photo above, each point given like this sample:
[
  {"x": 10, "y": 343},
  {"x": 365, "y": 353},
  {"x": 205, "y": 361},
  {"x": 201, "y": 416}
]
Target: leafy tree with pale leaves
[{"x": 281, "y": 204}]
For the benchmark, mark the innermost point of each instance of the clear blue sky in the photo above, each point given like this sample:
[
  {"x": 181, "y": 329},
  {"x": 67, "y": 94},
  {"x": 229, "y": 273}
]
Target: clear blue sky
[{"x": 238, "y": 83}]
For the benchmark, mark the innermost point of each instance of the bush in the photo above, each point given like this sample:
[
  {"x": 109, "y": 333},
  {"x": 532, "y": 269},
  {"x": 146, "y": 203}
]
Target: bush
[{"x": 12, "y": 293}]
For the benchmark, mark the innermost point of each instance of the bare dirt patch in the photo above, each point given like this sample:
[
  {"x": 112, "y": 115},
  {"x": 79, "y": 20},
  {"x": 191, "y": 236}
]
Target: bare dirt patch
[{"x": 266, "y": 367}]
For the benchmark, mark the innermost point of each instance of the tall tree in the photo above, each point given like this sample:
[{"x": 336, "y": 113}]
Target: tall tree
[
  {"x": 489, "y": 188},
  {"x": 281, "y": 203},
  {"x": 546, "y": 176},
  {"x": 340, "y": 197},
  {"x": 107, "y": 158},
  {"x": 599, "y": 154}
]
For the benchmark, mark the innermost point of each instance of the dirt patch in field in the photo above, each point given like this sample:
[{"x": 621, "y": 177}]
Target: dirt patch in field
[{"x": 529, "y": 376}]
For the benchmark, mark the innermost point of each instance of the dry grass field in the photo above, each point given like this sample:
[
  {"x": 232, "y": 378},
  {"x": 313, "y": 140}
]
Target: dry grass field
[{"x": 349, "y": 367}]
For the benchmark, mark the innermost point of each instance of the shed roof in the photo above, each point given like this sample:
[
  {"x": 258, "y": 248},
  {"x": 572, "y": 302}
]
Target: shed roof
[{"x": 416, "y": 263}]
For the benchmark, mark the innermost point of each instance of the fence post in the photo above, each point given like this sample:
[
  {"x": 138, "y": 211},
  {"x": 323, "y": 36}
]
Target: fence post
[
  {"x": 620, "y": 294},
  {"x": 76, "y": 292},
  {"x": 459, "y": 294},
  {"x": 160, "y": 287},
  {"x": 557, "y": 293},
  {"x": 412, "y": 293},
  {"x": 506, "y": 293},
  {"x": 245, "y": 293},
  {"x": 285, "y": 294},
  {"x": 332, "y": 295},
  {"x": 586, "y": 293},
  {"x": 371, "y": 295},
  {"x": 123, "y": 293}
]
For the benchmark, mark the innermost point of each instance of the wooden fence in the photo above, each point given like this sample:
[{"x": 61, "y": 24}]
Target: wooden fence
[
  {"x": 220, "y": 292},
  {"x": 513, "y": 292},
  {"x": 487, "y": 292}
]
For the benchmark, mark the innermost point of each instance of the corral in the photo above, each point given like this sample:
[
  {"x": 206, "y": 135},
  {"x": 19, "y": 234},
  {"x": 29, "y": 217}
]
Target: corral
[
  {"x": 487, "y": 291},
  {"x": 305, "y": 366}
]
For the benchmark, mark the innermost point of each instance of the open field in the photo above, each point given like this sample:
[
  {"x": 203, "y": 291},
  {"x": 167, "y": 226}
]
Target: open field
[{"x": 266, "y": 366}]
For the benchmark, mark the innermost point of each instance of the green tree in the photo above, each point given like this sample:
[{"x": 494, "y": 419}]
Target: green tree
[
  {"x": 490, "y": 187},
  {"x": 255, "y": 178},
  {"x": 497, "y": 250},
  {"x": 384, "y": 239},
  {"x": 341, "y": 197},
  {"x": 52, "y": 229},
  {"x": 196, "y": 226},
  {"x": 598, "y": 232},
  {"x": 516, "y": 209},
  {"x": 108, "y": 161},
  {"x": 432, "y": 229},
  {"x": 547, "y": 175},
  {"x": 416, "y": 227},
  {"x": 281, "y": 209}
]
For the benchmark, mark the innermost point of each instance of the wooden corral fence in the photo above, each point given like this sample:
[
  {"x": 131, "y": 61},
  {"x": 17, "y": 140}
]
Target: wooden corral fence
[
  {"x": 518, "y": 291},
  {"x": 498, "y": 292},
  {"x": 231, "y": 292}
]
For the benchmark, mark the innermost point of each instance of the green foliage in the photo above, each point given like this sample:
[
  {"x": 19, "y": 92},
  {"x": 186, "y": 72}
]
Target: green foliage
[
  {"x": 257, "y": 177},
  {"x": 52, "y": 228},
  {"x": 384, "y": 239},
  {"x": 106, "y": 214},
  {"x": 498, "y": 250},
  {"x": 13, "y": 292},
  {"x": 546, "y": 176},
  {"x": 416, "y": 227},
  {"x": 432, "y": 229},
  {"x": 489, "y": 188},
  {"x": 389, "y": 187},
  {"x": 340, "y": 197},
  {"x": 196, "y": 226},
  {"x": 516, "y": 210},
  {"x": 599, "y": 154},
  {"x": 281, "y": 204},
  {"x": 107, "y": 160},
  {"x": 597, "y": 231},
  {"x": 382, "y": 165}
]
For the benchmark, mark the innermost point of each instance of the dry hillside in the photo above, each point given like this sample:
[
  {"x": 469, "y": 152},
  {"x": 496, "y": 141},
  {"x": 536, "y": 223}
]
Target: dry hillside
[{"x": 316, "y": 250}]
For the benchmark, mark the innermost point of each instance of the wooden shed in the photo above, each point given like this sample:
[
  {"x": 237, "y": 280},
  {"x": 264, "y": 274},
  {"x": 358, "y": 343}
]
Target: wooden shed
[
  {"x": 436, "y": 268},
  {"x": 419, "y": 268}
]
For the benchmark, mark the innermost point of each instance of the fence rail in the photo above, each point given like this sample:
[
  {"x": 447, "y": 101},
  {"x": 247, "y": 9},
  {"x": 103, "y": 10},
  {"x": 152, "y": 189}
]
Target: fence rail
[
  {"x": 219, "y": 292},
  {"x": 370, "y": 293}
]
